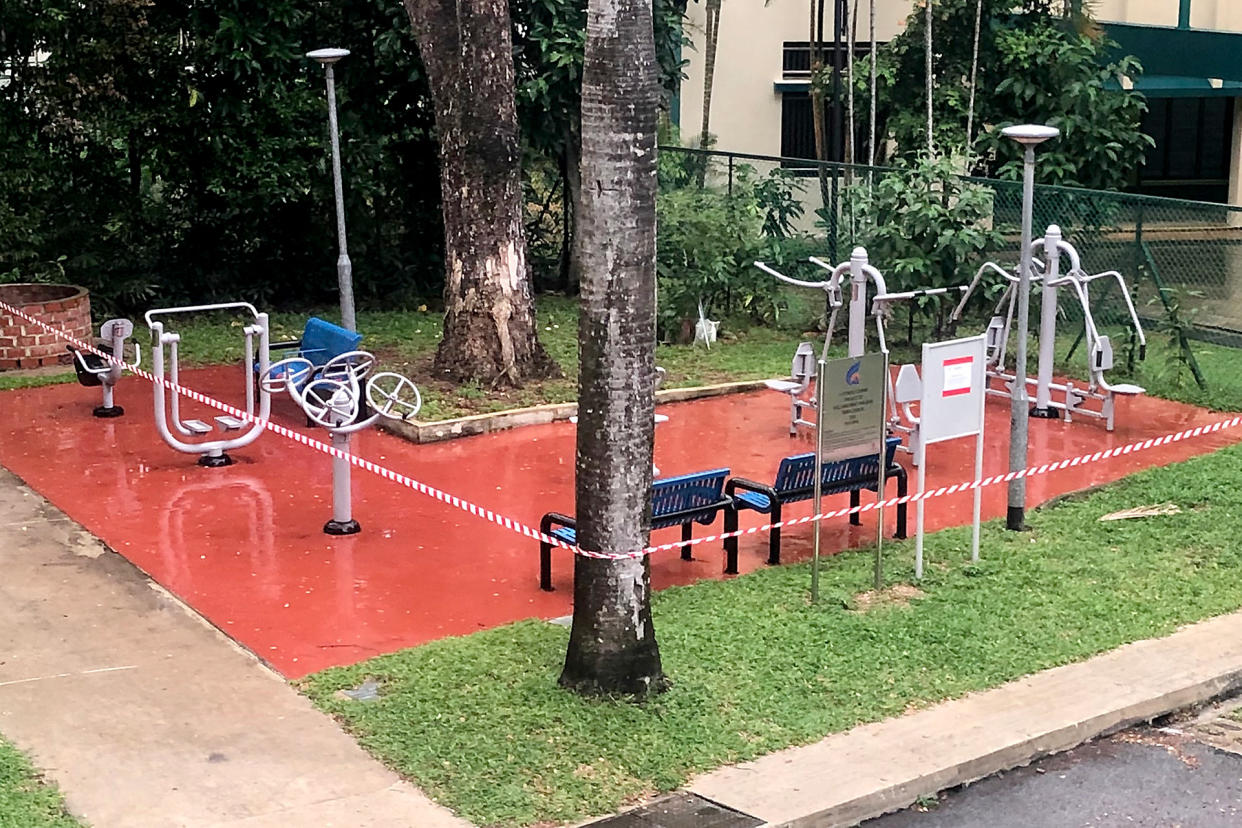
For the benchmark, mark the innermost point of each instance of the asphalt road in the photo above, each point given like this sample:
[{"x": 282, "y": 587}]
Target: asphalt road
[{"x": 1143, "y": 777}]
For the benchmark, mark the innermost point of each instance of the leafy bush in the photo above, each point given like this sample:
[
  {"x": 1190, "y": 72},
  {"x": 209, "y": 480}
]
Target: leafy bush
[
  {"x": 710, "y": 238},
  {"x": 925, "y": 227}
]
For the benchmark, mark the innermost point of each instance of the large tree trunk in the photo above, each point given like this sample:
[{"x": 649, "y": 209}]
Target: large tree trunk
[
  {"x": 489, "y": 316},
  {"x": 612, "y": 646}
]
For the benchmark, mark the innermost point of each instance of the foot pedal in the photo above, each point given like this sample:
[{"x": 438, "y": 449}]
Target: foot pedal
[
  {"x": 227, "y": 423},
  {"x": 196, "y": 426}
]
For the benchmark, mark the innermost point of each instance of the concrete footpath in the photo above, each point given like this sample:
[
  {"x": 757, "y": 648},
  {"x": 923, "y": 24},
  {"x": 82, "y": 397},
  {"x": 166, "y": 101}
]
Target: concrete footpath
[
  {"x": 877, "y": 768},
  {"x": 147, "y": 716}
]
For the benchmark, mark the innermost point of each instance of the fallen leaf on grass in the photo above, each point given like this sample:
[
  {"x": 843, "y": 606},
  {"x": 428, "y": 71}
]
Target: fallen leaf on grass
[{"x": 1144, "y": 512}]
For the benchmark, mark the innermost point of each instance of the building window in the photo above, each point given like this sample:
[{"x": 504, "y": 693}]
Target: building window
[
  {"x": 1193, "y": 141},
  {"x": 797, "y": 121}
]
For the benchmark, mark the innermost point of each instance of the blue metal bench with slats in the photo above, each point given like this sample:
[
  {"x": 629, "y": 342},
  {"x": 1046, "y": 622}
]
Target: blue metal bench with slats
[
  {"x": 321, "y": 342},
  {"x": 795, "y": 481},
  {"x": 675, "y": 501}
]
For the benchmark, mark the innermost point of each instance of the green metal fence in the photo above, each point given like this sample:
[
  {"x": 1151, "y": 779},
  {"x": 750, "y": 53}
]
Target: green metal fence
[{"x": 1178, "y": 256}]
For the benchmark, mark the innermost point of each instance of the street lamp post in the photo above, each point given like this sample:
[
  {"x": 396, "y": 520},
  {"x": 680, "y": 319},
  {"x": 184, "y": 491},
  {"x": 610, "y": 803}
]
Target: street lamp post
[
  {"x": 1029, "y": 136},
  {"x": 344, "y": 268}
]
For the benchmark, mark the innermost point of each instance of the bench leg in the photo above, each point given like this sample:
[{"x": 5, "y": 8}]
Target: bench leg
[
  {"x": 903, "y": 488},
  {"x": 855, "y": 517},
  {"x": 730, "y": 544},
  {"x": 774, "y": 541},
  {"x": 687, "y": 532},
  {"x": 545, "y": 566}
]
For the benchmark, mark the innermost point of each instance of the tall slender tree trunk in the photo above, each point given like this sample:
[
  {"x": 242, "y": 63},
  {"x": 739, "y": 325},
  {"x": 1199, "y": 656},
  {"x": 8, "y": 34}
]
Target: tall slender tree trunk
[
  {"x": 489, "y": 312},
  {"x": 927, "y": 52},
  {"x": 851, "y": 40},
  {"x": 871, "y": 136},
  {"x": 974, "y": 85},
  {"x": 711, "y": 12},
  {"x": 612, "y": 645}
]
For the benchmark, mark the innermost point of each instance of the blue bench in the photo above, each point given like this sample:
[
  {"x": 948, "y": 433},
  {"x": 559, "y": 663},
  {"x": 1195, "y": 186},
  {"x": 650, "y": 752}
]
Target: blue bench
[
  {"x": 795, "y": 480},
  {"x": 321, "y": 341},
  {"x": 675, "y": 501}
]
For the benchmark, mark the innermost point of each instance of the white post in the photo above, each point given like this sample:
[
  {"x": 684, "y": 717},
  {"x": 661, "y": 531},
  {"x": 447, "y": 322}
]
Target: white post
[
  {"x": 921, "y": 462},
  {"x": 858, "y": 302},
  {"x": 1048, "y": 325}
]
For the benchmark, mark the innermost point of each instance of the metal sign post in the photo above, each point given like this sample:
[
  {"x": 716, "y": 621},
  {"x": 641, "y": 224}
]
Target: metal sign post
[{"x": 850, "y": 395}]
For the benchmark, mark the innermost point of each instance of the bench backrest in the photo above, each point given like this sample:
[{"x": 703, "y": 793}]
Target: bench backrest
[
  {"x": 798, "y": 472},
  {"x": 685, "y": 493},
  {"x": 321, "y": 341}
]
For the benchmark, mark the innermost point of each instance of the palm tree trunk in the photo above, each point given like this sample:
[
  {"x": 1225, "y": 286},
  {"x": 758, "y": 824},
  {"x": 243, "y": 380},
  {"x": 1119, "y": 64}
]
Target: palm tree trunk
[
  {"x": 612, "y": 645},
  {"x": 851, "y": 39}
]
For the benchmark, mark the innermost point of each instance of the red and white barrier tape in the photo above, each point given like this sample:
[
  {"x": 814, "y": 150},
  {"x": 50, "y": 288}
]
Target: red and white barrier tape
[{"x": 527, "y": 531}]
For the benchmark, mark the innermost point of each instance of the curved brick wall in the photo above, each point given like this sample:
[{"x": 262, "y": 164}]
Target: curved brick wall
[{"x": 23, "y": 345}]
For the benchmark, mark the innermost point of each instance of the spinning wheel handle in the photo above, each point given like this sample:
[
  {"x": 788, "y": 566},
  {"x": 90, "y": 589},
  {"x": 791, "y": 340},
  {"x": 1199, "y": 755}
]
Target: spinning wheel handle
[
  {"x": 279, "y": 375},
  {"x": 355, "y": 364},
  {"x": 400, "y": 402},
  {"x": 330, "y": 402}
]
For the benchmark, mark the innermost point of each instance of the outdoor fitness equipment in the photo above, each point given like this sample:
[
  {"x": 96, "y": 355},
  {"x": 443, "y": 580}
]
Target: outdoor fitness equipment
[
  {"x": 1099, "y": 347},
  {"x": 94, "y": 371},
  {"x": 337, "y": 396},
  {"x": 211, "y": 452},
  {"x": 803, "y": 367}
]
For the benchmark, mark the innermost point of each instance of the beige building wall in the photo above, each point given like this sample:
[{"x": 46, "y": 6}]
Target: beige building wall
[
  {"x": 746, "y": 110},
  {"x": 1225, "y": 15}
]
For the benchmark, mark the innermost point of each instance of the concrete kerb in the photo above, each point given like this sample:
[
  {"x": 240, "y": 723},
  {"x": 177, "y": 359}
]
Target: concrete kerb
[
  {"x": 420, "y": 431},
  {"x": 885, "y": 766}
]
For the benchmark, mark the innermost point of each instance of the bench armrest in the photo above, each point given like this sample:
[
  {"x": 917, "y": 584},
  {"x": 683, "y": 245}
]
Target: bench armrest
[
  {"x": 735, "y": 483},
  {"x": 285, "y": 346},
  {"x": 553, "y": 519}
]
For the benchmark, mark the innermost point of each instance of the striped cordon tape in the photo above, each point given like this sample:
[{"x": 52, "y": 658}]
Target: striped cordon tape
[{"x": 521, "y": 528}]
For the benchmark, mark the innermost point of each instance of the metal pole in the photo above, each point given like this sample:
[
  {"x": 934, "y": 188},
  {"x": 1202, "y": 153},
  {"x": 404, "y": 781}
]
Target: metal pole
[
  {"x": 344, "y": 268},
  {"x": 342, "y": 522},
  {"x": 1015, "y": 517},
  {"x": 818, "y": 494},
  {"x": 883, "y": 464},
  {"x": 1029, "y": 136}
]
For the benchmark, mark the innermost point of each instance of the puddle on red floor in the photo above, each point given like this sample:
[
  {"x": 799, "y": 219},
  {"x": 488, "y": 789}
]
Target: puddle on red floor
[{"x": 243, "y": 545}]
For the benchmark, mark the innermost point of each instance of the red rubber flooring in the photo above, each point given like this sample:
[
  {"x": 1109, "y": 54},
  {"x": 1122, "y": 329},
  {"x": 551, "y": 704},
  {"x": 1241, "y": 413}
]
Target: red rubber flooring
[{"x": 243, "y": 545}]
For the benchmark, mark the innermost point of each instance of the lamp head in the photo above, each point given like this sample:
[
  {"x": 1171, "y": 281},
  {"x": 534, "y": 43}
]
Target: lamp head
[
  {"x": 1030, "y": 135},
  {"x": 327, "y": 56}
]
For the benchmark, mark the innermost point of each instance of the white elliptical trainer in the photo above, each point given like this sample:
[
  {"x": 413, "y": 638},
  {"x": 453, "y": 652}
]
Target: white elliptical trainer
[
  {"x": 333, "y": 396},
  {"x": 212, "y": 453}
]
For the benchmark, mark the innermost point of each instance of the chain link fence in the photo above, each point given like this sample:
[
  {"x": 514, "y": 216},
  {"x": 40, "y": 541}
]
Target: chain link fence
[{"x": 1182, "y": 259}]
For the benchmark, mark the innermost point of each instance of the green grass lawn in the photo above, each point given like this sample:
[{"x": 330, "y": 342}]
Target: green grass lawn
[
  {"x": 26, "y": 801},
  {"x": 480, "y": 724}
]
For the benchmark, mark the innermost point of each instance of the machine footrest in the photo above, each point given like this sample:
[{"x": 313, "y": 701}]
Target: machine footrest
[
  {"x": 229, "y": 423},
  {"x": 196, "y": 426}
]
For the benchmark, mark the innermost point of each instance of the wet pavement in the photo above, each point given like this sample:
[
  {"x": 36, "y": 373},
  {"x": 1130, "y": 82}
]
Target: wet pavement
[
  {"x": 1147, "y": 777},
  {"x": 243, "y": 545}
]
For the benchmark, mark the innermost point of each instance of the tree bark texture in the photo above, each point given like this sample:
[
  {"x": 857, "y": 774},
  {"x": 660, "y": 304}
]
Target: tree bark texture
[
  {"x": 711, "y": 39},
  {"x": 612, "y": 645},
  {"x": 489, "y": 316}
]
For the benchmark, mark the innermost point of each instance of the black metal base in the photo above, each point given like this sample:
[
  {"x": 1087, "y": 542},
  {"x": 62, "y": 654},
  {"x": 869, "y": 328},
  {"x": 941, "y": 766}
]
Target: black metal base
[
  {"x": 108, "y": 411},
  {"x": 342, "y": 527},
  {"x": 215, "y": 462},
  {"x": 1015, "y": 519},
  {"x": 1045, "y": 413}
]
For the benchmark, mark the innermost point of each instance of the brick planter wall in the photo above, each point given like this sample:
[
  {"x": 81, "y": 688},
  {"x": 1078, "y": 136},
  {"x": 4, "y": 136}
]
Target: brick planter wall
[{"x": 24, "y": 345}]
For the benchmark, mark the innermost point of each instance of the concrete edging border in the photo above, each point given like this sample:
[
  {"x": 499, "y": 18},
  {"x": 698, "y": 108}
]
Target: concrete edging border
[{"x": 434, "y": 431}]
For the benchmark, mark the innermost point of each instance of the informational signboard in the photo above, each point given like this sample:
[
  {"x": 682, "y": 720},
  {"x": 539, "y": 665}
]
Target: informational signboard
[
  {"x": 851, "y": 406},
  {"x": 954, "y": 390},
  {"x": 954, "y": 384}
]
